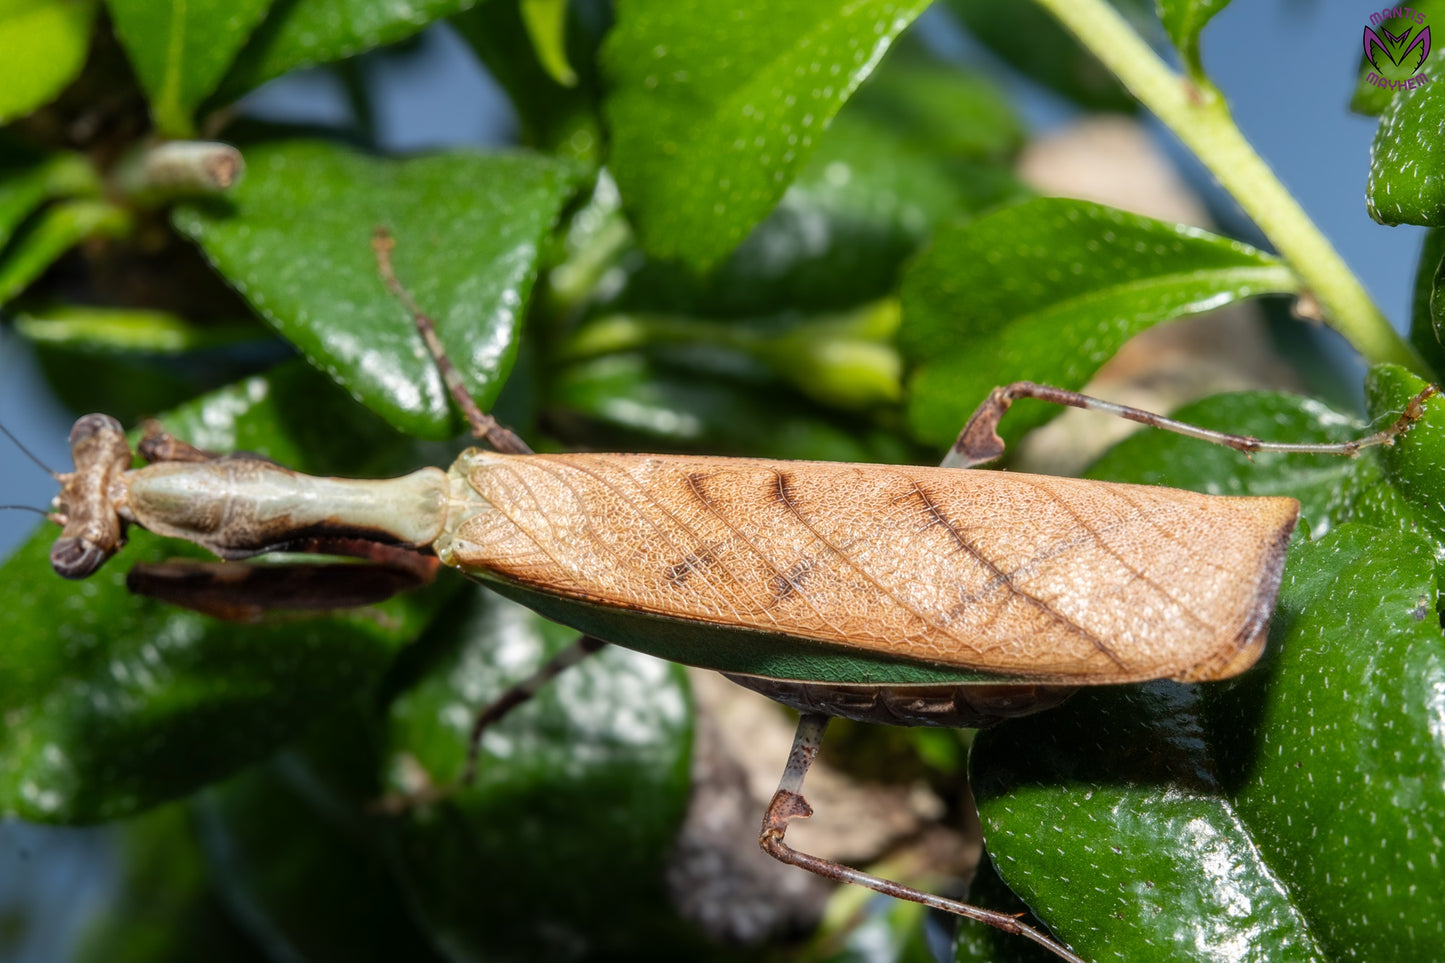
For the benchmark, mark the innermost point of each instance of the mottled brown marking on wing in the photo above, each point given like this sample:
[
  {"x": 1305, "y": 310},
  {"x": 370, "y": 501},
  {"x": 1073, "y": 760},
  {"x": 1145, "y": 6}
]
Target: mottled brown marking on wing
[
  {"x": 1059, "y": 579},
  {"x": 1005, "y": 579}
]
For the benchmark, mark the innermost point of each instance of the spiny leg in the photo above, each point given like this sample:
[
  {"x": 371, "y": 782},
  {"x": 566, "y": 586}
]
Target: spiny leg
[
  {"x": 515, "y": 695},
  {"x": 520, "y": 693},
  {"x": 483, "y": 425},
  {"x": 501, "y": 439},
  {"x": 788, "y": 804},
  {"x": 979, "y": 441}
]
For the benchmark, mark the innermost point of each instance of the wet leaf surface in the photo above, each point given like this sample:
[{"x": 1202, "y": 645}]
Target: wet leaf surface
[
  {"x": 303, "y": 33},
  {"x": 180, "y": 50},
  {"x": 1111, "y": 813},
  {"x": 295, "y": 236},
  {"x": 991, "y": 300},
  {"x": 712, "y": 117},
  {"x": 560, "y": 845}
]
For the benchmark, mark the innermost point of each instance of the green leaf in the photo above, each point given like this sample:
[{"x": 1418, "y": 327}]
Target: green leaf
[
  {"x": 25, "y": 187},
  {"x": 845, "y": 360},
  {"x": 553, "y": 117},
  {"x": 920, "y": 144},
  {"x": 1184, "y": 19},
  {"x": 295, "y": 240},
  {"x": 1348, "y": 734},
  {"x": 978, "y": 943},
  {"x": 1034, "y": 43},
  {"x": 559, "y": 846},
  {"x": 938, "y": 108},
  {"x": 1427, "y": 309},
  {"x": 631, "y": 402},
  {"x": 114, "y": 703},
  {"x": 1047, "y": 291},
  {"x": 1415, "y": 462},
  {"x": 180, "y": 50},
  {"x": 1195, "y": 813},
  {"x": 113, "y": 331},
  {"x": 1107, "y": 817},
  {"x": 304, "y": 33},
  {"x": 134, "y": 363},
  {"x": 711, "y": 116},
  {"x": 1404, "y": 186},
  {"x": 546, "y": 22},
  {"x": 55, "y": 231},
  {"x": 45, "y": 43}
]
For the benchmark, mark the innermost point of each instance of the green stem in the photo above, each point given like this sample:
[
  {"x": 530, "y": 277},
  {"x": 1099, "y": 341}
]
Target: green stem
[{"x": 1200, "y": 118}]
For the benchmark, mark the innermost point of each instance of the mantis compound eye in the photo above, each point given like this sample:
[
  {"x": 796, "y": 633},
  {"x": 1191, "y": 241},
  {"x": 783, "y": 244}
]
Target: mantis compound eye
[{"x": 73, "y": 557}]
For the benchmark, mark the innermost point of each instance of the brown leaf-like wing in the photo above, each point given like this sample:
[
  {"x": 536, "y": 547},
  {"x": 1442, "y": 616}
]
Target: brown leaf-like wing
[{"x": 1056, "y": 579}]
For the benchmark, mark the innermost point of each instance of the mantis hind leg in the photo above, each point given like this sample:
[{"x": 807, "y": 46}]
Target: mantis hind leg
[
  {"x": 483, "y": 425},
  {"x": 979, "y": 442},
  {"x": 514, "y": 696},
  {"x": 788, "y": 804}
]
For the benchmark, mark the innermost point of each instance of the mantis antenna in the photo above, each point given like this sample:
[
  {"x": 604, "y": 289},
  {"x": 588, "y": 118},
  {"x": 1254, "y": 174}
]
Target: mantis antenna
[{"x": 32, "y": 456}]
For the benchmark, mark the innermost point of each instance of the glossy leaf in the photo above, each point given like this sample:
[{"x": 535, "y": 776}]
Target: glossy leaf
[
  {"x": 1347, "y": 734},
  {"x": 55, "y": 231},
  {"x": 26, "y": 186},
  {"x": 993, "y": 300},
  {"x": 1108, "y": 818},
  {"x": 1427, "y": 309},
  {"x": 1414, "y": 463},
  {"x": 1183, "y": 20},
  {"x": 295, "y": 240},
  {"x": 180, "y": 50},
  {"x": 1404, "y": 186},
  {"x": 304, "y": 33},
  {"x": 629, "y": 402},
  {"x": 1195, "y": 813},
  {"x": 114, "y": 703},
  {"x": 977, "y": 943},
  {"x": 920, "y": 144},
  {"x": 45, "y": 43},
  {"x": 711, "y": 117},
  {"x": 133, "y": 363},
  {"x": 560, "y": 845},
  {"x": 1032, "y": 42}
]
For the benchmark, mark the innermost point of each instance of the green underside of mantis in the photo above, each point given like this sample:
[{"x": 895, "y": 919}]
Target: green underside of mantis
[{"x": 735, "y": 650}]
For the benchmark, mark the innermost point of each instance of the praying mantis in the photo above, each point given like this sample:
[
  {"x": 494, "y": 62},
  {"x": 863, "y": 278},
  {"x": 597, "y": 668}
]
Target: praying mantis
[{"x": 909, "y": 596}]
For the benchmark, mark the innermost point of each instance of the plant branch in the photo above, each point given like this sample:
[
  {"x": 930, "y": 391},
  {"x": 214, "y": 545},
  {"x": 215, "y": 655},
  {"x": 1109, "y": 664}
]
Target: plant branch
[{"x": 1198, "y": 116}]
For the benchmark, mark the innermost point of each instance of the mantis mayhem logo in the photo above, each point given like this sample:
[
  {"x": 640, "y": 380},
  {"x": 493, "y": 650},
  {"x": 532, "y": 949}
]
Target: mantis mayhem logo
[{"x": 1397, "y": 42}]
